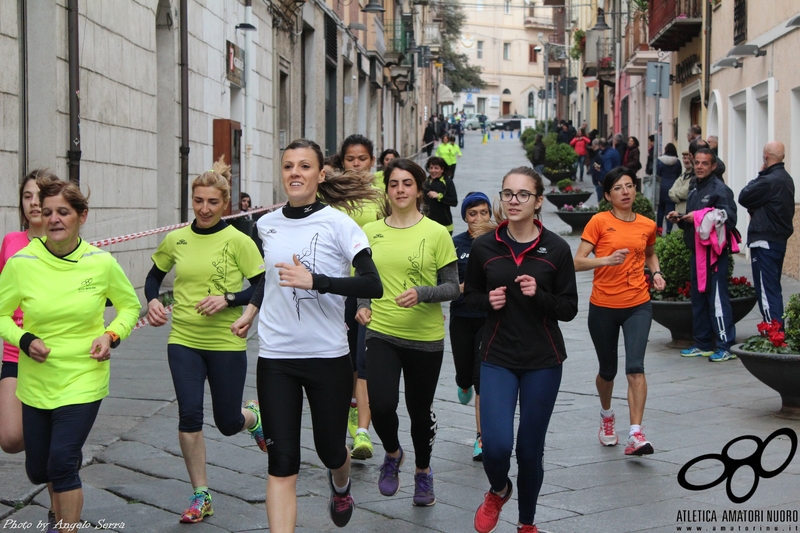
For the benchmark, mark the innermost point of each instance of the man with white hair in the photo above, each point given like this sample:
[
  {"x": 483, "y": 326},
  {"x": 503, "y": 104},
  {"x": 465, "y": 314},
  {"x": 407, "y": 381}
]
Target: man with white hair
[{"x": 770, "y": 201}]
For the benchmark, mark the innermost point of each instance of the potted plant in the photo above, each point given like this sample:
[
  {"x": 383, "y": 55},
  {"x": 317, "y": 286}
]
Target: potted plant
[
  {"x": 773, "y": 356},
  {"x": 559, "y": 162},
  {"x": 605, "y": 63},
  {"x": 577, "y": 216},
  {"x": 567, "y": 194},
  {"x": 672, "y": 307}
]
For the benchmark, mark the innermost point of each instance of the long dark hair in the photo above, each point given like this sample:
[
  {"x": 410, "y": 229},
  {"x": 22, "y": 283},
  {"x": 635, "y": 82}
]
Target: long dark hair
[
  {"x": 43, "y": 174},
  {"x": 356, "y": 140}
]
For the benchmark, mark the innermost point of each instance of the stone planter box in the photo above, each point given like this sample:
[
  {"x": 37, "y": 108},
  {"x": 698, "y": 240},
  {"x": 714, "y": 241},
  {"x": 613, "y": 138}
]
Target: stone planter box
[
  {"x": 561, "y": 199},
  {"x": 555, "y": 177},
  {"x": 576, "y": 219},
  {"x": 778, "y": 371},
  {"x": 677, "y": 317}
]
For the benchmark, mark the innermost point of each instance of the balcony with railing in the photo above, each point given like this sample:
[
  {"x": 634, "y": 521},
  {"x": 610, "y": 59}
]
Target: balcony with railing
[
  {"x": 396, "y": 41},
  {"x": 636, "y": 48},
  {"x": 432, "y": 37},
  {"x": 674, "y": 23},
  {"x": 538, "y": 17},
  {"x": 605, "y": 57}
]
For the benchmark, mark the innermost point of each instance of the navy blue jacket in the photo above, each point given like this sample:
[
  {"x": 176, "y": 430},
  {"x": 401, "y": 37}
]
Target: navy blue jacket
[
  {"x": 611, "y": 160},
  {"x": 709, "y": 192},
  {"x": 770, "y": 201},
  {"x": 458, "y": 307}
]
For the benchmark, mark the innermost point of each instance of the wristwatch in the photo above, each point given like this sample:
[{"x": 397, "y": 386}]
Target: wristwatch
[
  {"x": 114, "y": 338},
  {"x": 230, "y": 298}
]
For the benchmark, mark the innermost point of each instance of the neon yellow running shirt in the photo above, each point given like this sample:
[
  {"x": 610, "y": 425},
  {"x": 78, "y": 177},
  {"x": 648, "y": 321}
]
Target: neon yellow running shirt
[{"x": 407, "y": 258}]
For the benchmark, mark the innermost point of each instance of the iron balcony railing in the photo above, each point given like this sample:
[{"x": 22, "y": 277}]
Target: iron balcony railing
[{"x": 664, "y": 12}]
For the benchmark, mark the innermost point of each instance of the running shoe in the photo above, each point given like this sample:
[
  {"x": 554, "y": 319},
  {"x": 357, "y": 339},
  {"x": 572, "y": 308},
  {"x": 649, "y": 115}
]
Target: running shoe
[
  {"x": 607, "y": 433},
  {"x": 340, "y": 506},
  {"x": 51, "y": 522},
  {"x": 694, "y": 351},
  {"x": 199, "y": 508},
  {"x": 488, "y": 514},
  {"x": 362, "y": 446},
  {"x": 352, "y": 422},
  {"x": 423, "y": 490},
  {"x": 389, "y": 479},
  {"x": 464, "y": 395},
  {"x": 638, "y": 445},
  {"x": 721, "y": 355},
  {"x": 256, "y": 432},
  {"x": 527, "y": 528},
  {"x": 477, "y": 449}
]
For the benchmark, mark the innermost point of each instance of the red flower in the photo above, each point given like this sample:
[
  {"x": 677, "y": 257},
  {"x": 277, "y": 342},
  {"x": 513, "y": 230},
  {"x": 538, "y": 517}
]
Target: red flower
[
  {"x": 770, "y": 330},
  {"x": 777, "y": 338}
]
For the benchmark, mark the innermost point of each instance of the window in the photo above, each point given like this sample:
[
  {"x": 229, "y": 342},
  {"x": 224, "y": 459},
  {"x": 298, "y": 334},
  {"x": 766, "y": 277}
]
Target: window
[
  {"x": 507, "y": 51},
  {"x": 507, "y": 7},
  {"x": 480, "y": 49},
  {"x": 479, "y": 5},
  {"x": 740, "y": 21},
  {"x": 481, "y": 105},
  {"x": 533, "y": 55}
]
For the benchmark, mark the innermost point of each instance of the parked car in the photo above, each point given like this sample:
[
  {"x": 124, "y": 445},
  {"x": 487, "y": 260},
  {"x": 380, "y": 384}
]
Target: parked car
[
  {"x": 506, "y": 122},
  {"x": 472, "y": 122}
]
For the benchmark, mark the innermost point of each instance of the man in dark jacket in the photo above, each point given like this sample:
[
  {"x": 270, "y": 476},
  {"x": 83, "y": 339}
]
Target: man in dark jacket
[
  {"x": 538, "y": 154},
  {"x": 770, "y": 201},
  {"x": 711, "y": 306},
  {"x": 429, "y": 137}
]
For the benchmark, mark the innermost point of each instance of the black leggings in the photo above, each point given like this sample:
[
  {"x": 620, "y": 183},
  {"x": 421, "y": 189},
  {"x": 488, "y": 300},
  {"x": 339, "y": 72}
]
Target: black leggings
[
  {"x": 465, "y": 338},
  {"x": 604, "y": 325},
  {"x": 420, "y": 371},
  {"x": 226, "y": 372},
  {"x": 328, "y": 384},
  {"x": 53, "y": 442},
  {"x": 356, "y": 334}
]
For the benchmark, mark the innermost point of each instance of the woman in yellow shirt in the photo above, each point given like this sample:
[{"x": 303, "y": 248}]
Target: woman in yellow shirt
[{"x": 450, "y": 152}]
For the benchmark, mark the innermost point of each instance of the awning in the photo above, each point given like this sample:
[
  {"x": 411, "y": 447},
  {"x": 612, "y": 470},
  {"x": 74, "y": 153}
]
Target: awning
[{"x": 445, "y": 95}]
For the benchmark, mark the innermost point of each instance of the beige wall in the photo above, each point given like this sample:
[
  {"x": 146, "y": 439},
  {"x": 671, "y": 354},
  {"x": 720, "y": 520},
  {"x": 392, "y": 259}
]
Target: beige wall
[{"x": 759, "y": 101}]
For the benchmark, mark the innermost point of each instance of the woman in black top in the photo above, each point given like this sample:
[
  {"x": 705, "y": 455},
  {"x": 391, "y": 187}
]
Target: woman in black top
[
  {"x": 523, "y": 276},
  {"x": 440, "y": 193}
]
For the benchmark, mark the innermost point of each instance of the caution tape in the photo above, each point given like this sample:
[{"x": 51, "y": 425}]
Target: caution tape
[
  {"x": 144, "y": 322},
  {"x": 131, "y": 236}
]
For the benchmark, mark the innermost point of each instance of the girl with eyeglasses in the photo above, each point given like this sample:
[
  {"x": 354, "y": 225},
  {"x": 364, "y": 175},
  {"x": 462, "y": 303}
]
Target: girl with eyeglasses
[
  {"x": 623, "y": 244},
  {"x": 522, "y": 275}
]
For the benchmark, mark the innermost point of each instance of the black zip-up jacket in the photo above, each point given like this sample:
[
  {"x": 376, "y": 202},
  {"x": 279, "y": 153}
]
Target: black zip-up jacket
[
  {"x": 439, "y": 208},
  {"x": 770, "y": 201},
  {"x": 708, "y": 192},
  {"x": 524, "y": 334}
]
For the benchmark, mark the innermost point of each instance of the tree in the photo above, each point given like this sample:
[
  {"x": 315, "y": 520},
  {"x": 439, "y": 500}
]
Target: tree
[{"x": 459, "y": 74}]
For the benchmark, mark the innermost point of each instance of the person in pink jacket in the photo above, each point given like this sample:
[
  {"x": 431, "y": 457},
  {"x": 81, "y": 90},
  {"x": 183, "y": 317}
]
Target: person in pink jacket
[{"x": 579, "y": 143}]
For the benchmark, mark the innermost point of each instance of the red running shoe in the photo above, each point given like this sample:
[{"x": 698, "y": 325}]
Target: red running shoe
[{"x": 488, "y": 514}]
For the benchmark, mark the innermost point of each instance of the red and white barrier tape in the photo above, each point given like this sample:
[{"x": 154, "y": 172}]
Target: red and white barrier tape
[
  {"x": 132, "y": 236},
  {"x": 144, "y": 322}
]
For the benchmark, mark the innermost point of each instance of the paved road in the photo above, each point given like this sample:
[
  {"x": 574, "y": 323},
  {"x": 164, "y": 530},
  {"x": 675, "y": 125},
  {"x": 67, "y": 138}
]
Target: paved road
[{"x": 134, "y": 472}]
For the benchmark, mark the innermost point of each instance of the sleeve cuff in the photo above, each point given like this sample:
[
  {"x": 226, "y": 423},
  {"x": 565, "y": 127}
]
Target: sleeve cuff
[{"x": 25, "y": 342}]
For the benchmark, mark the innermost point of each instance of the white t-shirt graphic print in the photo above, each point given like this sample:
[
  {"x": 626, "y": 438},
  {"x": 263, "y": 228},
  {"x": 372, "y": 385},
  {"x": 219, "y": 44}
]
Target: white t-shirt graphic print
[{"x": 296, "y": 323}]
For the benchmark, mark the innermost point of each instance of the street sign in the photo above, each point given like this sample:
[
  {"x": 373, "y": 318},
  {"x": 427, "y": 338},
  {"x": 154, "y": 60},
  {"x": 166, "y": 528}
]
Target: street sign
[
  {"x": 542, "y": 94},
  {"x": 657, "y": 79},
  {"x": 567, "y": 85}
]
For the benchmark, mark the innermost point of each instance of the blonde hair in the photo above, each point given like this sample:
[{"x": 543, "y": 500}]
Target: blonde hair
[
  {"x": 219, "y": 177},
  {"x": 349, "y": 189}
]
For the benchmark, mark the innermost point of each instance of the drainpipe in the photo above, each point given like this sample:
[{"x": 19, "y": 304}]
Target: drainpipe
[
  {"x": 248, "y": 97},
  {"x": 74, "y": 152},
  {"x": 707, "y": 59},
  {"x": 184, "y": 111}
]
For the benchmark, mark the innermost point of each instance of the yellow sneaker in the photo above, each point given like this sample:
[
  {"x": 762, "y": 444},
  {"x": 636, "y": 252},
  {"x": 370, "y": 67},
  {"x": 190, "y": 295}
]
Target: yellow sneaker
[
  {"x": 352, "y": 422},
  {"x": 362, "y": 446}
]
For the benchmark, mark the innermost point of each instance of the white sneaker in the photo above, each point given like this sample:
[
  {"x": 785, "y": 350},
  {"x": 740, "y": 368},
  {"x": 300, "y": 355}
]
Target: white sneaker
[{"x": 607, "y": 434}]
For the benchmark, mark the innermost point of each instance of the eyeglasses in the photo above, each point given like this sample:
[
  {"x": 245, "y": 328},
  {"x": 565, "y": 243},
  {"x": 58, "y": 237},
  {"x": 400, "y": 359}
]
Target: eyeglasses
[
  {"x": 619, "y": 188},
  {"x": 521, "y": 196}
]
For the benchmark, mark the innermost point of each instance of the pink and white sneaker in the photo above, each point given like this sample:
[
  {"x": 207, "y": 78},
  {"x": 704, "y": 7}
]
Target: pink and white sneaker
[
  {"x": 607, "y": 434},
  {"x": 638, "y": 445}
]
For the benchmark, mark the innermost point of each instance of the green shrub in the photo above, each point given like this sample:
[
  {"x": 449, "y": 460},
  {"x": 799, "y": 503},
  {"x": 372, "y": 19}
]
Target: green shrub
[
  {"x": 527, "y": 136},
  {"x": 791, "y": 317},
  {"x": 551, "y": 139},
  {"x": 673, "y": 258},
  {"x": 560, "y": 157},
  {"x": 641, "y": 206},
  {"x": 563, "y": 184}
]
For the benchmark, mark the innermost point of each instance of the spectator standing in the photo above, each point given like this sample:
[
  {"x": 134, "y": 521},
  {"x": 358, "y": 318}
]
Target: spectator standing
[
  {"x": 579, "y": 143},
  {"x": 429, "y": 137},
  {"x": 694, "y": 133},
  {"x": 711, "y": 306},
  {"x": 440, "y": 194},
  {"x": 482, "y": 121},
  {"x": 770, "y": 201},
  {"x": 648, "y": 169},
  {"x": 538, "y": 154},
  {"x": 609, "y": 159},
  {"x": 619, "y": 144},
  {"x": 680, "y": 189},
  {"x": 458, "y": 128},
  {"x": 669, "y": 169},
  {"x": 631, "y": 158}
]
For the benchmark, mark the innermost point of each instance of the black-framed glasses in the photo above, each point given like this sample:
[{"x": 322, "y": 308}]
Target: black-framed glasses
[{"x": 521, "y": 196}]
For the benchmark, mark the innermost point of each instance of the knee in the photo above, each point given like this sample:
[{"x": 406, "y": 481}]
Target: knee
[
  {"x": 190, "y": 420},
  {"x": 283, "y": 465},
  {"x": 11, "y": 443},
  {"x": 62, "y": 472},
  {"x": 607, "y": 374},
  {"x": 333, "y": 457},
  {"x": 230, "y": 426},
  {"x": 37, "y": 471}
]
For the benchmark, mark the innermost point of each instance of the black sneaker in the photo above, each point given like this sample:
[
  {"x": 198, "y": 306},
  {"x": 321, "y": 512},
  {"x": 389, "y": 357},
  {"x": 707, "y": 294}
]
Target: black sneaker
[{"x": 340, "y": 506}]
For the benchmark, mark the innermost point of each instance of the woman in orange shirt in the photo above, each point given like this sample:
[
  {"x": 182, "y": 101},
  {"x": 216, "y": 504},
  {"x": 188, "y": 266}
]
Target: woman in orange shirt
[{"x": 622, "y": 243}]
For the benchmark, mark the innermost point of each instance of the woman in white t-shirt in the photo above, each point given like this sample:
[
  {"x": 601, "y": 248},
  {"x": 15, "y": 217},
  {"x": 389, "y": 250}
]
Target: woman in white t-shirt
[{"x": 308, "y": 252}]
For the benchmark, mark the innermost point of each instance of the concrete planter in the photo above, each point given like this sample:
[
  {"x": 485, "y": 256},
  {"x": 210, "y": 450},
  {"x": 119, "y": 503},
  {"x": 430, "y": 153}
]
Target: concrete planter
[
  {"x": 778, "y": 371},
  {"x": 576, "y": 219},
  {"x": 677, "y": 317},
  {"x": 555, "y": 177},
  {"x": 561, "y": 199}
]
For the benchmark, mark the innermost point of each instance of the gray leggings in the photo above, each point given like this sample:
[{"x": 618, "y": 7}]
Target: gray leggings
[{"x": 604, "y": 324}]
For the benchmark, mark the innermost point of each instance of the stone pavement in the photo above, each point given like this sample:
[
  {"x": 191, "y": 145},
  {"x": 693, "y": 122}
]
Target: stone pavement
[{"x": 135, "y": 481}]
